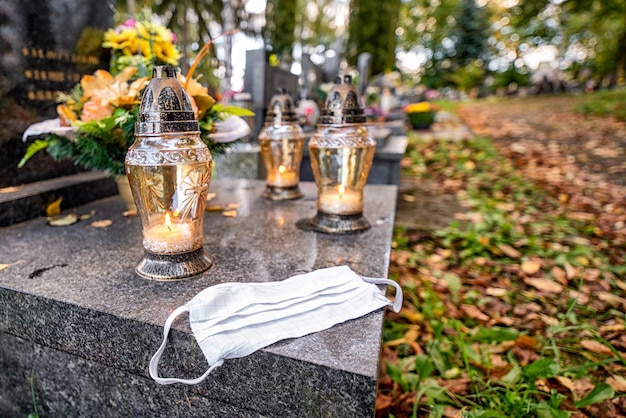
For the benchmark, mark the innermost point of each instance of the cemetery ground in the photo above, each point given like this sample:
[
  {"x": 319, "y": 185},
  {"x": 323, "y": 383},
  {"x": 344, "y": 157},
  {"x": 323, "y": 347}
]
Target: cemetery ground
[{"x": 510, "y": 245}]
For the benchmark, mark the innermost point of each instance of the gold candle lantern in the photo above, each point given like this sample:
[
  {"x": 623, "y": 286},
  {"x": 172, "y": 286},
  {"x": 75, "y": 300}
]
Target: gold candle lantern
[
  {"x": 342, "y": 150},
  {"x": 169, "y": 170},
  {"x": 282, "y": 144}
]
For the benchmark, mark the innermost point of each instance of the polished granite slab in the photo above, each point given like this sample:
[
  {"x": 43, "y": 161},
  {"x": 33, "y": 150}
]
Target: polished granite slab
[
  {"x": 29, "y": 200},
  {"x": 71, "y": 292}
]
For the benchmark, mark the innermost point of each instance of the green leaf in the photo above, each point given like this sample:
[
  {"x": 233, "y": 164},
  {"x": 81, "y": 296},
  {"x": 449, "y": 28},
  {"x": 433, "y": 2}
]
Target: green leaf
[
  {"x": 423, "y": 366},
  {"x": 544, "y": 410},
  {"x": 454, "y": 284},
  {"x": 496, "y": 334},
  {"x": 544, "y": 367},
  {"x": 233, "y": 110},
  {"x": 206, "y": 125},
  {"x": 34, "y": 148},
  {"x": 60, "y": 147},
  {"x": 434, "y": 391},
  {"x": 485, "y": 413},
  {"x": 513, "y": 376},
  {"x": 395, "y": 373},
  {"x": 598, "y": 394}
]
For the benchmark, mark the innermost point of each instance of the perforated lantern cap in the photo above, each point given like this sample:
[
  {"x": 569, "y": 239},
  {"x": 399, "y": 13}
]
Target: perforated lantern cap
[
  {"x": 342, "y": 104},
  {"x": 165, "y": 106},
  {"x": 281, "y": 109}
]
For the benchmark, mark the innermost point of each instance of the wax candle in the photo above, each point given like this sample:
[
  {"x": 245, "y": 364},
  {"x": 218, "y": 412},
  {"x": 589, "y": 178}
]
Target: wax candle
[
  {"x": 340, "y": 201},
  {"x": 169, "y": 237},
  {"x": 282, "y": 177}
]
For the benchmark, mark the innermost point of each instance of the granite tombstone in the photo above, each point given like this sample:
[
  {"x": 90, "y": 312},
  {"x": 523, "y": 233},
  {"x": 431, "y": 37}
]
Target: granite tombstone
[
  {"x": 261, "y": 80},
  {"x": 47, "y": 45}
]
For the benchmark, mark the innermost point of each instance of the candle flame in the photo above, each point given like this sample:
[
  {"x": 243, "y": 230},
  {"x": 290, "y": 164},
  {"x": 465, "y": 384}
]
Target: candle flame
[
  {"x": 176, "y": 213},
  {"x": 282, "y": 169},
  {"x": 341, "y": 189},
  {"x": 168, "y": 221}
]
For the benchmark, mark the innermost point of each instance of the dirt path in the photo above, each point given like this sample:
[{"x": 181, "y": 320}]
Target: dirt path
[
  {"x": 421, "y": 204},
  {"x": 595, "y": 145},
  {"x": 579, "y": 160}
]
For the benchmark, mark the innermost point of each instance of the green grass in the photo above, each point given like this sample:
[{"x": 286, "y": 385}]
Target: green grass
[
  {"x": 31, "y": 381},
  {"x": 605, "y": 103},
  {"x": 446, "y": 105},
  {"x": 519, "y": 358}
]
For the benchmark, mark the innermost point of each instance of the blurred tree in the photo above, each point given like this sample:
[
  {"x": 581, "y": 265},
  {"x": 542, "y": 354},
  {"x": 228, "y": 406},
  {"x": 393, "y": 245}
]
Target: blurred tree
[
  {"x": 372, "y": 29},
  {"x": 469, "y": 54},
  {"x": 599, "y": 27},
  {"x": 281, "y": 25},
  {"x": 450, "y": 38},
  {"x": 589, "y": 34},
  {"x": 470, "y": 33},
  {"x": 425, "y": 33},
  {"x": 316, "y": 28}
]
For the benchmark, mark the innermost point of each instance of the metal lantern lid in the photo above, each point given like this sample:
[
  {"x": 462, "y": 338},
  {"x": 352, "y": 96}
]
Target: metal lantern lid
[
  {"x": 281, "y": 109},
  {"x": 165, "y": 106},
  {"x": 342, "y": 104}
]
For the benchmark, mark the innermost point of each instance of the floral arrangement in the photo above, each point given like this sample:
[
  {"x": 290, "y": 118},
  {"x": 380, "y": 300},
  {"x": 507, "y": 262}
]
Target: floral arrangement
[
  {"x": 139, "y": 43},
  {"x": 421, "y": 114},
  {"x": 96, "y": 119}
]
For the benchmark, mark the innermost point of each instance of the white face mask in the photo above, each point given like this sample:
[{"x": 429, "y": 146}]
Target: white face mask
[{"x": 232, "y": 320}]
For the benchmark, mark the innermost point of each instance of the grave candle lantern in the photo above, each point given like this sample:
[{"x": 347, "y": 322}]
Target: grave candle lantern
[
  {"x": 282, "y": 144},
  {"x": 169, "y": 170},
  {"x": 342, "y": 150}
]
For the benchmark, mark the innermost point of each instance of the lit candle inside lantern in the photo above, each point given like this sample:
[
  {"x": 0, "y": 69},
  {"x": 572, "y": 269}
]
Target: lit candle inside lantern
[
  {"x": 340, "y": 201},
  {"x": 282, "y": 177},
  {"x": 169, "y": 237}
]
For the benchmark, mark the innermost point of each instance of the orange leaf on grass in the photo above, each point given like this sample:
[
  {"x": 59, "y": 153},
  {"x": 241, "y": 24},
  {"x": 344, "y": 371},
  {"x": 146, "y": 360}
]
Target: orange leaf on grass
[
  {"x": 544, "y": 285},
  {"x": 383, "y": 401},
  {"x": 509, "y": 251},
  {"x": 571, "y": 271},
  {"x": 474, "y": 313},
  {"x": 559, "y": 275},
  {"x": 458, "y": 386},
  {"x": 595, "y": 347},
  {"x": 530, "y": 267},
  {"x": 618, "y": 383},
  {"x": 527, "y": 342},
  {"x": 613, "y": 300}
]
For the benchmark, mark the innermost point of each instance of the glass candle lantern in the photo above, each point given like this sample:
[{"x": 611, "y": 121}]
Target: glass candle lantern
[
  {"x": 282, "y": 144},
  {"x": 342, "y": 150},
  {"x": 169, "y": 170}
]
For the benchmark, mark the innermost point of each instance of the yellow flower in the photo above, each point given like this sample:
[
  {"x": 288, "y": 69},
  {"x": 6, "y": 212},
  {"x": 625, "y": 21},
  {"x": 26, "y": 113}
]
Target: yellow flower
[
  {"x": 157, "y": 41},
  {"x": 141, "y": 40},
  {"x": 167, "y": 52},
  {"x": 125, "y": 40},
  {"x": 418, "y": 107},
  {"x": 145, "y": 48},
  {"x": 66, "y": 115},
  {"x": 150, "y": 32}
]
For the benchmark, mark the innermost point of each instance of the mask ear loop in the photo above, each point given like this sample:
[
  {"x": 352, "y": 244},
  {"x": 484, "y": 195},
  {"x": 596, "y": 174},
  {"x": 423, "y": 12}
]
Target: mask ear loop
[
  {"x": 397, "y": 301},
  {"x": 154, "y": 361}
]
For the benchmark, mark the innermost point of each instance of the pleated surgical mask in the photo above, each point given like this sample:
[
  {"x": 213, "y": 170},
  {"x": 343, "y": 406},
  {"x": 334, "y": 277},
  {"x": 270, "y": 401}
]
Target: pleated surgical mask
[{"x": 233, "y": 320}]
